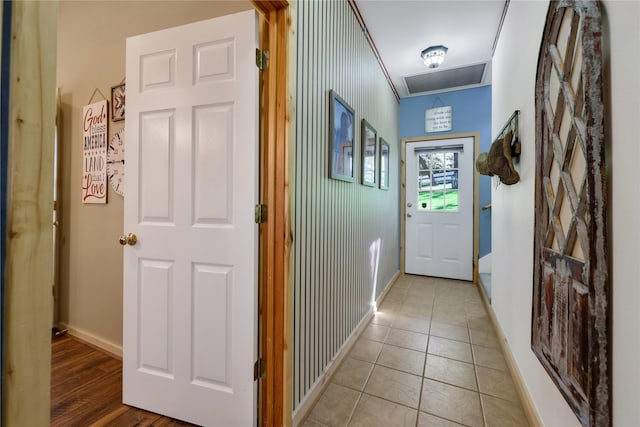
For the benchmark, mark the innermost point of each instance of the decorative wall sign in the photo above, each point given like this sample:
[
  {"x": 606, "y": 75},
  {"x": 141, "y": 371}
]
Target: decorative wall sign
[
  {"x": 94, "y": 159},
  {"x": 570, "y": 284},
  {"x": 438, "y": 119},
  {"x": 118, "y": 102}
]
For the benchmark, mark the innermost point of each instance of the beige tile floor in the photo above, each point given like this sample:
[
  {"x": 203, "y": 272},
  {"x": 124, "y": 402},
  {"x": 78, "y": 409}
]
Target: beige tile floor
[{"x": 429, "y": 357}]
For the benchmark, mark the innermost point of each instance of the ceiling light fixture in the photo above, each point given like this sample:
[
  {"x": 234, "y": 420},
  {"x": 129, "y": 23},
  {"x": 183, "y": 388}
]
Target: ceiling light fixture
[{"x": 434, "y": 56}]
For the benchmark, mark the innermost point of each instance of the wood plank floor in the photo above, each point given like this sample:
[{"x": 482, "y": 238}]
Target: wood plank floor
[{"x": 86, "y": 389}]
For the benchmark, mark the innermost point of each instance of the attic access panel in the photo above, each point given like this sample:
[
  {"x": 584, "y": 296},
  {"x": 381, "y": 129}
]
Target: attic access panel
[
  {"x": 445, "y": 79},
  {"x": 570, "y": 292}
]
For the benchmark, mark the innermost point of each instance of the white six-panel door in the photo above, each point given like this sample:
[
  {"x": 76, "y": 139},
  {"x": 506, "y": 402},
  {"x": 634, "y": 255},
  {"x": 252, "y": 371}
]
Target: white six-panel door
[
  {"x": 190, "y": 281},
  {"x": 439, "y": 208}
]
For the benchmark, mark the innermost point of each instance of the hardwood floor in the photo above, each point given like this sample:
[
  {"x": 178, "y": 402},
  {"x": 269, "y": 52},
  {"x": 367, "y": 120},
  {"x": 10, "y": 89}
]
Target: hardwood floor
[{"x": 86, "y": 389}]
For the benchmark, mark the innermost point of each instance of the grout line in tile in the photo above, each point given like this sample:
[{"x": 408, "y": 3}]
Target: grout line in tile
[
  {"x": 475, "y": 371},
  {"x": 455, "y": 385},
  {"x": 445, "y": 418},
  {"x": 353, "y": 411},
  {"x": 391, "y": 401},
  {"x": 503, "y": 399}
]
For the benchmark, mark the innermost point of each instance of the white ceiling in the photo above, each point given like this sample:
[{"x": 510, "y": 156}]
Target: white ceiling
[{"x": 401, "y": 29}]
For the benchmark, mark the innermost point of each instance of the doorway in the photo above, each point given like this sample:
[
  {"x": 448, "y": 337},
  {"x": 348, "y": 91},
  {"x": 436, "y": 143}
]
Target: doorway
[
  {"x": 35, "y": 382},
  {"x": 439, "y": 207}
]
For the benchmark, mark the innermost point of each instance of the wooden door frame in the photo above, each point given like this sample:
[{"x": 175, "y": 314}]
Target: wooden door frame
[
  {"x": 31, "y": 100},
  {"x": 274, "y": 407},
  {"x": 476, "y": 194},
  {"x": 27, "y": 314}
]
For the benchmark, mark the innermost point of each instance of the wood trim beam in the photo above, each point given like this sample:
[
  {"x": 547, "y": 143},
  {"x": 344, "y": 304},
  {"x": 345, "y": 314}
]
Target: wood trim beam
[
  {"x": 29, "y": 259},
  {"x": 267, "y": 6},
  {"x": 274, "y": 390}
]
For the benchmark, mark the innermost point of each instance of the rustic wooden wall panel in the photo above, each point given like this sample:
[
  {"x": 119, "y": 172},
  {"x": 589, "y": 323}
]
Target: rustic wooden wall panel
[
  {"x": 570, "y": 304},
  {"x": 345, "y": 235}
]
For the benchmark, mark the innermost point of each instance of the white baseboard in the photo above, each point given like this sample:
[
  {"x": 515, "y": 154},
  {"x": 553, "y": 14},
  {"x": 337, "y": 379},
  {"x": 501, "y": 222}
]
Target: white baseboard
[
  {"x": 528, "y": 406},
  {"x": 305, "y": 407},
  {"x": 93, "y": 340},
  {"x": 484, "y": 264}
]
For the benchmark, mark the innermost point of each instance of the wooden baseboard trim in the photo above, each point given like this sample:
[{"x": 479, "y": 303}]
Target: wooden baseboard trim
[
  {"x": 528, "y": 406},
  {"x": 94, "y": 341},
  {"x": 301, "y": 414}
]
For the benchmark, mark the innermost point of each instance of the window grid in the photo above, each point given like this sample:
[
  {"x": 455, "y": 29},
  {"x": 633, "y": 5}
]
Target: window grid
[{"x": 437, "y": 181}]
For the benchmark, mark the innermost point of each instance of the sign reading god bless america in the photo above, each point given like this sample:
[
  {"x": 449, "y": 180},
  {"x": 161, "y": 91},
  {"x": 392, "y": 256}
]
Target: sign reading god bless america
[
  {"x": 438, "y": 119},
  {"x": 94, "y": 159}
]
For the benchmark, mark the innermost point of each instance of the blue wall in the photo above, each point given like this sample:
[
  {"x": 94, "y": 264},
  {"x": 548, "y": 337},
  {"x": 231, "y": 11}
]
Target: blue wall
[{"x": 471, "y": 113}]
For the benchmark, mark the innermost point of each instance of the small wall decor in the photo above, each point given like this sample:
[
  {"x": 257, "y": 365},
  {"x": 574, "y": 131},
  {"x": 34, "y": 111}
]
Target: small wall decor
[
  {"x": 438, "y": 119},
  {"x": 369, "y": 149},
  {"x": 115, "y": 162},
  {"x": 499, "y": 160},
  {"x": 570, "y": 314},
  {"x": 94, "y": 159},
  {"x": 384, "y": 164},
  {"x": 341, "y": 131},
  {"x": 118, "y": 99}
]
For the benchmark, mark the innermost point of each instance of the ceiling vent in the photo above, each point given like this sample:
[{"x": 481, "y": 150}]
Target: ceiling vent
[{"x": 445, "y": 79}]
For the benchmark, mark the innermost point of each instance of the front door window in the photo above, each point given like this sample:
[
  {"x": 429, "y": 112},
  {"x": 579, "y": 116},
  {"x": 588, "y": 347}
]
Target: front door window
[{"x": 438, "y": 181}]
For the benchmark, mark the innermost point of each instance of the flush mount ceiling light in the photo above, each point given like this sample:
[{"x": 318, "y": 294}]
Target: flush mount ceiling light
[{"x": 434, "y": 56}]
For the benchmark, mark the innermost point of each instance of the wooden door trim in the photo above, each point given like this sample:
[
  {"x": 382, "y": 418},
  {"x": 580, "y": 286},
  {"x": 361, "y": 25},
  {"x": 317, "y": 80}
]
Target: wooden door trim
[
  {"x": 476, "y": 195},
  {"x": 274, "y": 389},
  {"x": 29, "y": 234}
]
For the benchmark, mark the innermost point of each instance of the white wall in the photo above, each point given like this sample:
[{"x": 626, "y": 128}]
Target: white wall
[
  {"x": 622, "y": 77},
  {"x": 514, "y": 69}
]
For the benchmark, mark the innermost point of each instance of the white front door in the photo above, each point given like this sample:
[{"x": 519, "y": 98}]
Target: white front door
[
  {"x": 190, "y": 281},
  {"x": 439, "y": 208}
]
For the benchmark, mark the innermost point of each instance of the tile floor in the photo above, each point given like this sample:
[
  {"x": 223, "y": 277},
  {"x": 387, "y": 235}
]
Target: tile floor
[{"x": 429, "y": 357}]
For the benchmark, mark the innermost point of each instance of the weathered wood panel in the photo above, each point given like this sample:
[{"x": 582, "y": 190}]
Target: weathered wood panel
[
  {"x": 570, "y": 301},
  {"x": 29, "y": 258}
]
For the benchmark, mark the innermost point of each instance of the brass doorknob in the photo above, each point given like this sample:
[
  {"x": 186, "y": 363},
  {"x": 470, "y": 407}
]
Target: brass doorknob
[{"x": 128, "y": 239}]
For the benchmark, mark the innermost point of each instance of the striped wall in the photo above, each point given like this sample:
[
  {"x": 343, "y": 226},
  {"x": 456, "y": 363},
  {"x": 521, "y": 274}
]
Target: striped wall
[{"x": 345, "y": 235}]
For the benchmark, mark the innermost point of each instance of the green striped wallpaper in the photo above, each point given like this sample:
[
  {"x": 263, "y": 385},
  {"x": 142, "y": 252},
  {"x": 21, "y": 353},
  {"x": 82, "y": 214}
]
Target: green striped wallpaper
[{"x": 345, "y": 234}]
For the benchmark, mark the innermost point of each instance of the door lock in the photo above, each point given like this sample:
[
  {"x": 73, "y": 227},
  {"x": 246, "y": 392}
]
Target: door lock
[
  {"x": 409, "y": 205},
  {"x": 128, "y": 239},
  {"x": 408, "y": 215}
]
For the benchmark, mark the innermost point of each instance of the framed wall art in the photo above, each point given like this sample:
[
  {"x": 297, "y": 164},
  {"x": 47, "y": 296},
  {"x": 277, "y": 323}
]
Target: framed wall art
[
  {"x": 384, "y": 164},
  {"x": 117, "y": 102},
  {"x": 369, "y": 151},
  {"x": 571, "y": 306},
  {"x": 341, "y": 131}
]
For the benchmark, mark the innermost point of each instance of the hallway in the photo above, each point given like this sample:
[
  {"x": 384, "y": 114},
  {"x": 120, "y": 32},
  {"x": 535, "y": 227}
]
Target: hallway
[{"x": 429, "y": 357}]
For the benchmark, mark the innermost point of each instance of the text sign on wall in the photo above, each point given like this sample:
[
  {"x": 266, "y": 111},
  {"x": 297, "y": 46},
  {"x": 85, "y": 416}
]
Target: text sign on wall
[
  {"x": 438, "y": 119},
  {"x": 94, "y": 159}
]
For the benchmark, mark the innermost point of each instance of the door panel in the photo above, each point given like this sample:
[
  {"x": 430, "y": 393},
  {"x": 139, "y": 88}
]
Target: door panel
[
  {"x": 190, "y": 310},
  {"x": 439, "y": 197},
  {"x": 425, "y": 241}
]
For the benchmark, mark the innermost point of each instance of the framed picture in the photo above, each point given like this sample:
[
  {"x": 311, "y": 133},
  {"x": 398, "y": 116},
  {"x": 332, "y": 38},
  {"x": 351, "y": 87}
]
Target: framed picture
[
  {"x": 369, "y": 154},
  {"x": 117, "y": 102},
  {"x": 341, "y": 120},
  {"x": 384, "y": 164}
]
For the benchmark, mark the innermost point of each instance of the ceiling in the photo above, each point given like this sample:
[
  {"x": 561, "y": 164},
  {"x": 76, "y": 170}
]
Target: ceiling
[{"x": 401, "y": 29}]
